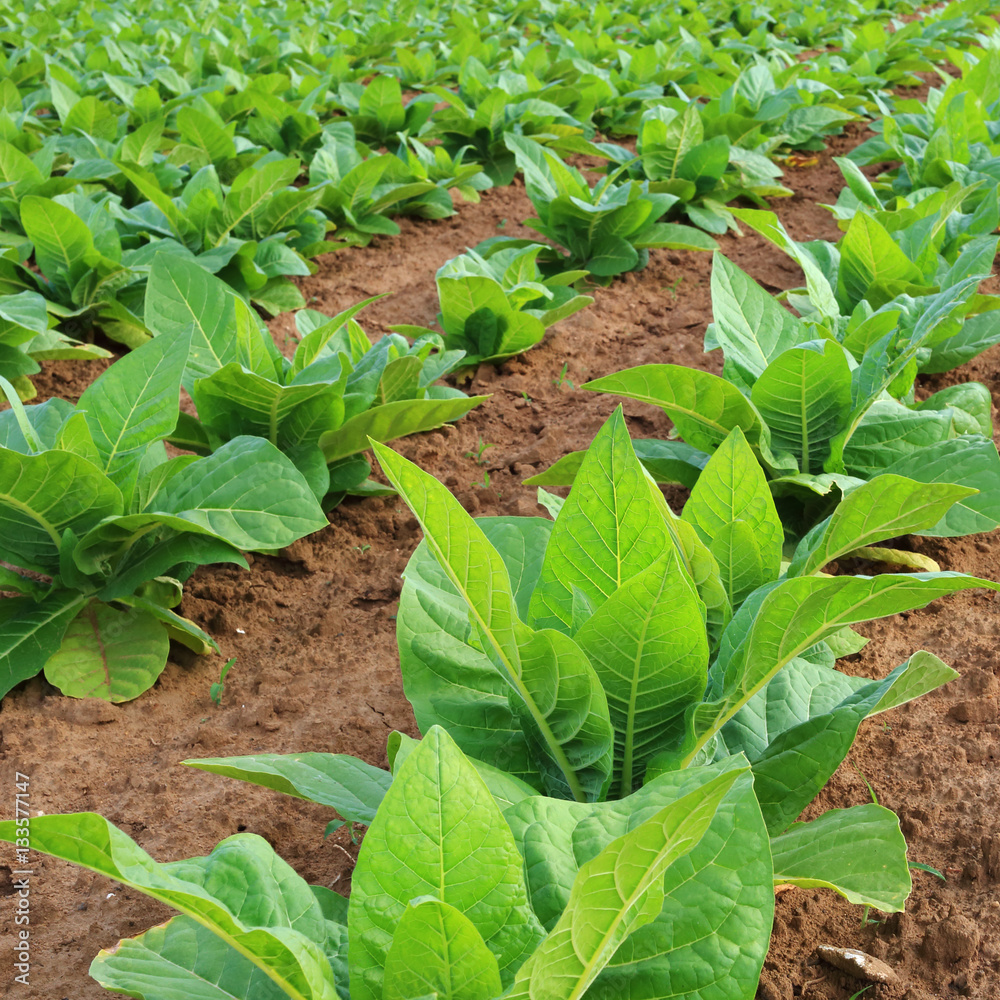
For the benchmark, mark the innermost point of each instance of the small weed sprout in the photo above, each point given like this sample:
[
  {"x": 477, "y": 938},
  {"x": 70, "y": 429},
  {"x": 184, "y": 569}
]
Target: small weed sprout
[
  {"x": 215, "y": 692},
  {"x": 563, "y": 379}
]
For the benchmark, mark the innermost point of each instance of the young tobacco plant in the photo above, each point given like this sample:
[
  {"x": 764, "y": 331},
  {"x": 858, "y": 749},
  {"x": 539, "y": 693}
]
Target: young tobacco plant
[
  {"x": 440, "y": 904},
  {"x": 953, "y": 136},
  {"x": 589, "y": 656},
  {"x": 320, "y": 407},
  {"x": 606, "y": 230},
  {"x": 820, "y": 420},
  {"x": 496, "y": 302},
  {"x": 891, "y": 268},
  {"x": 100, "y": 528},
  {"x": 704, "y": 172}
]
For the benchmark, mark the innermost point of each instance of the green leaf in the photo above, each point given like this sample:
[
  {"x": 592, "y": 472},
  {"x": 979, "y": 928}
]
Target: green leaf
[
  {"x": 447, "y": 677},
  {"x": 552, "y": 685},
  {"x": 648, "y": 646},
  {"x": 969, "y": 460},
  {"x": 804, "y": 397},
  {"x": 610, "y": 528},
  {"x": 858, "y": 852},
  {"x": 806, "y": 737},
  {"x": 786, "y": 619},
  {"x": 616, "y": 893},
  {"x": 182, "y": 960},
  {"x": 110, "y": 654},
  {"x": 391, "y": 421},
  {"x": 868, "y": 254},
  {"x": 247, "y": 493},
  {"x": 43, "y": 496},
  {"x": 31, "y": 631},
  {"x": 62, "y": 243},
  {"x": 704, "y": 407},
  {"x": 352, "y": 787},
  {"x": 885, "y": 507},
  {"x": 715, "y": 923},
  {"x": 438, "y": 833},
  {"x": 182, "y": 298},
  {"x": 751, "y": 327},
  {"x": 234, "y": 401},
  {"x": 437, "y": 951},
  {"x": 134, "y": 404},
  {"x": 243, "y": 892},
  {"x": 733, "y": 512}
]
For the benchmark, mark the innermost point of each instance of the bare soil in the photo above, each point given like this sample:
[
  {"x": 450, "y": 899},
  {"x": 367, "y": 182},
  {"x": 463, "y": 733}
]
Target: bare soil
[{"x": 317, "y": 668}]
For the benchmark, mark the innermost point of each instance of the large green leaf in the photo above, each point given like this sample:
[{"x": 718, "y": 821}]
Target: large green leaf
[
  {"x": 437, "y": 952},
  {"x": 235, "y": 401},
  {"x": 807, "y": 738},
  {"x": 615, "y": 893},
  {"x": 780, "y": 622},
  {"x": 858, "y": 852},
  {"x": 649, "y": 648},
  {"x": 751, "y": 327},
  {"x": 352, "y": 787},
  {"x": 110, "y": 654},
  {"x": 969, "y": 460},
  {"x": 733, "y": 512},
  {"x": 438, "y": 833},
  {"x": 553, "y": 688},
  {"x": 885, "y": 507},
  {"x": 62, "y": 242},
  {"x": 447, "y": 676},
  {"x": 868, "y": 254},
  {"x": 610, "y": 529},
  {"x": 31, "y": 631},
  {"x": 703, "y": 406},
  {"x": 804, "y": 397},
  {"x": 247, "y": 493},
  {"x": 243, "y": 892},
  {"x": 135, "y": 404},
  {"x": 393, "y": 420},
  {"x": 42, "y": 496},
  {"x": 182, "y": 960},
  {"x": 710, "y": 938},
  {"x": 182, "y": 298}
]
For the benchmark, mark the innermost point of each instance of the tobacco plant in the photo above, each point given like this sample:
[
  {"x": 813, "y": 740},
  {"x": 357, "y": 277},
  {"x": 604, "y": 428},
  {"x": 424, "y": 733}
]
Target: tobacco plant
[
  {"x": 496, "y": 302},
  {"x": 619, "y": 643},
  {"x": 321, "y": 406},
  {"x": 100, "y": 528},
  {"x": 606, "y": 230},
  {"x": 440, "y": 904},
  {"x": 892, "y": 268},
  {"x": 704, "y": 172},
  {"x": 820, "y": 419}
]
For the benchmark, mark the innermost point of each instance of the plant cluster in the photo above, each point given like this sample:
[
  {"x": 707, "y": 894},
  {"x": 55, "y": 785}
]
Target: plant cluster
[{"x": 624, "y": 710}]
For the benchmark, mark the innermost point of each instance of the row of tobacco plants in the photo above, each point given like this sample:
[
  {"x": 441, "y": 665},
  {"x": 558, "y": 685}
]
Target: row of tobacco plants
[{"x": 624, "y": 709}]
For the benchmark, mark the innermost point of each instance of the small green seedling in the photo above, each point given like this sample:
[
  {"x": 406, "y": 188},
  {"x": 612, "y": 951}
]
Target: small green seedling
[
  {"x": 921, "y": 867},
  {"x": 481, "y": 449},
  {"x": 671, "y": 289},
  {"x": 215, "y": 692},
  {"x": 563, "y": 379}
]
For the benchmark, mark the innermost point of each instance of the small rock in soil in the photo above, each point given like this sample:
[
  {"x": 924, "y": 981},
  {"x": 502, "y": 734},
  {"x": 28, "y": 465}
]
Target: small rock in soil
[{"x": 858, "y": 964}]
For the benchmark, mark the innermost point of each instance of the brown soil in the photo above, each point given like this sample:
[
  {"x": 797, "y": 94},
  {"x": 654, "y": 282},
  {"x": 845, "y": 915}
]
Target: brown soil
[{"x": 313, "y": 633}]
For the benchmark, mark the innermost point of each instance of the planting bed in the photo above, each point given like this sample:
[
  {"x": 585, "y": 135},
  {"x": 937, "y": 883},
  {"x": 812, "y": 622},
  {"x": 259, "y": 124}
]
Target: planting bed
[{"x": 313, "y": 631}]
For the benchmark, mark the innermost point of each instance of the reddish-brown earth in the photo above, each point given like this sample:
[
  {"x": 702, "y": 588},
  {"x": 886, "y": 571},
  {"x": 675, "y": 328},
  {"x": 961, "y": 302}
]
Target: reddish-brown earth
[{"x": 314, "y": 637}]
